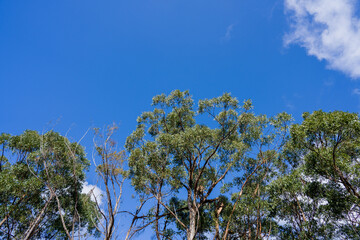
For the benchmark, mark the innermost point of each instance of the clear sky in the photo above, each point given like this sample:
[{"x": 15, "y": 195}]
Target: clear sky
[{"x": 77, "y": 64}]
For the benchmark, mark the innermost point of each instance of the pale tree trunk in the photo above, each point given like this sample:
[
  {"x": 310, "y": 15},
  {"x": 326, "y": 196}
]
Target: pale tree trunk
[
  {"x": 33, "y": 226},
  {"x": 191, "y": 231},
  {"x": 217, "y": 228},
  {"x": 110, "y": 228},
  {"x": 218, "y": 210},
  {"x": 110, "y": 170},
  {"x": 192, "y": 225}
]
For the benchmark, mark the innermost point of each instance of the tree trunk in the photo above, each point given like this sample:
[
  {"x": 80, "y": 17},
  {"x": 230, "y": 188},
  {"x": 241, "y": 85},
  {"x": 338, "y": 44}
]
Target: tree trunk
[
  {"x": 219, "y": 207},
  {"x": 110, "y": 229},
  {"x": 191, "y": 231},
  {"x": 33, "y": 226}
]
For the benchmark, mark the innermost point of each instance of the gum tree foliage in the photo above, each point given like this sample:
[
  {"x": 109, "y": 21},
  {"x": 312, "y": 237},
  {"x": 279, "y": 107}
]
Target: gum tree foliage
[
  {"x": 182, "y": 154},
  {"x": 300, "y": 207},
  {"x": 320, "y": 198},
  {"x": 208, "y": 170},
  {"x": 247, "y": 214},
  {"x": 109, "y": 162},
  {"x": 41, "y": 178}
]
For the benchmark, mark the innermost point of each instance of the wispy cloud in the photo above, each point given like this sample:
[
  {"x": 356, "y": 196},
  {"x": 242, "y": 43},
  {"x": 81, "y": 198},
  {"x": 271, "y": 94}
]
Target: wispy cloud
[
  {"x": 356, "y": 91},
  {"x": 329, "y": 30},
  {"x": 329, "y": 83},
  {"x": 288, "y": 103},
  {"x": 227, "y": 35}
]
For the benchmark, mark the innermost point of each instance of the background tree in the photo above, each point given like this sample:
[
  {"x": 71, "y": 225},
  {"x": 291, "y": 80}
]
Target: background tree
[
  {"x": 20, "y": 190},
  {"x": 109, "y": 165},
  {"x": 324, "y": 151},
  {"x": 43, "y": 177},
  {"x": 300, "y": 207},
  {"x": 329, "y": 144}
]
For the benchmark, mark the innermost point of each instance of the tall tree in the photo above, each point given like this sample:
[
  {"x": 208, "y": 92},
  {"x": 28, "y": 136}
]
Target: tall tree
[
  {"x": 180, "y": 148},
  {"x": 110, "y": 168}
]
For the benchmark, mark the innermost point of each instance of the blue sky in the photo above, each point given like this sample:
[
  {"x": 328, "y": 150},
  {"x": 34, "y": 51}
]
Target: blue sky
[{"x": 78, "y": 64}]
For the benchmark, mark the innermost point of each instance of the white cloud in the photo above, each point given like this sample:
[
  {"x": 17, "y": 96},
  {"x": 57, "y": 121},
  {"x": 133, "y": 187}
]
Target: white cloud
[
  {"x": 356, "y": 91},
  {"x": 227, "y": 35},
  {"x": 94, "y": 191},
  {"x": 329, "y": 30},
  {"x": 288, "y": 103}
]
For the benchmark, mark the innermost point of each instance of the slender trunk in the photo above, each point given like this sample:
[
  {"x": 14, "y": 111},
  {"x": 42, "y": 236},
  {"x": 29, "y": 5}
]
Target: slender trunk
[
  {"x": 62, "y": 217},
  {"x": 191, "y": 231},
  {"x": 218, "y": 209},
  {"x": 191, "y": 201},
  {"x": 157, "y": 221},
  {"x": 226, "y": 232},
  {"x": 33, "y": 226},
  {"x": 159, "y": 196},
  {"x": 258, "y": 220},
  {"x": 110, "y": 228},
  {"x": 130, "y": 228},
  {"x": 217, "y": 229},
  {"x": 4, "y": 220},
  {"x": 110, "y": 224},
  {"x": 2, "y": 157}
]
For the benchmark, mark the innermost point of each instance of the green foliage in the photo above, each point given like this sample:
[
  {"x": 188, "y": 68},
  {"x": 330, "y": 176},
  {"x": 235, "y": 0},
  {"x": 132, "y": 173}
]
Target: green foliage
[
  {"x": 33, "y": 166},
  {"x": 212, "y": 169},
  {"x": 178, "y": 148},
  {"x": 248, "y": 213},
  {"x": 324, "y": 184}
]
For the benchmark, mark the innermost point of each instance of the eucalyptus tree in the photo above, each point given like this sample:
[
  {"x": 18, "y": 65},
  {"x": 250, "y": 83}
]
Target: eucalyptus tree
[
  {"x": 329, "y": 145},
  {"x": 182, "y": 154},
  {"x": 325, "y": 151},
  {"x": 42, "y": 177},
  {"x": 18, "y": 187},
  {"x": 109, "y": 162}
]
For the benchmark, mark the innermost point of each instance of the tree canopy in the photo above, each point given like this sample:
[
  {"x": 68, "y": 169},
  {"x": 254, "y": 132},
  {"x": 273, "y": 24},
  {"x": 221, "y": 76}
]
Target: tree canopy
[
  {"x": 208, "y": 170},
  {"x": 42, "y": 177}
]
